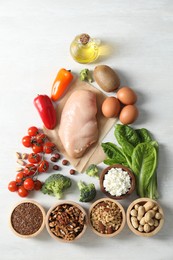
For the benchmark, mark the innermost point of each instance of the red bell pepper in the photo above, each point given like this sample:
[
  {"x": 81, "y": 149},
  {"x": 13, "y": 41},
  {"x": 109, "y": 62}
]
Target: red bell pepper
[
  {"x": 61, "y": 83},
  {"x": 46, "y": 110}
]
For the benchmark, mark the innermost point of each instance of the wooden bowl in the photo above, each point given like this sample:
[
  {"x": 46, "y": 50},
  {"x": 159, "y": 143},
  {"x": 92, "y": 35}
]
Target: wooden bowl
[
  {"x": 132, "y": 178},
  {"x": 100, "y": 223},
  {"x": 139, "y": 229},
  {"x": 27, "y": 219},
  {"x": 59, "y": 221}
]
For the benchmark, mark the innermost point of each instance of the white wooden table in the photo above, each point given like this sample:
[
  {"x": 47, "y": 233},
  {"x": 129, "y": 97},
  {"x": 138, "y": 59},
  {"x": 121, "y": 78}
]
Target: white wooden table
[{"x": 35, "y": 37}]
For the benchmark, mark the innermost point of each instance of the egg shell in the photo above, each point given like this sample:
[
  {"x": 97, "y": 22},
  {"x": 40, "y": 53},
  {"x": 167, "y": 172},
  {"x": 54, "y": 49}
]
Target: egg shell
[
  {"x": 127, "y": 96},
  {"x": 111, "y": 107},
  {"x": 128, "y": 114}
]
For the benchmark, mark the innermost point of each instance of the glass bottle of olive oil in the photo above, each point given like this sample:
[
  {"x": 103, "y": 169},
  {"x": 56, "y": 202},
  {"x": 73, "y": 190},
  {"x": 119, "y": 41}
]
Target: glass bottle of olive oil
[{"x": 84, "y": 49}]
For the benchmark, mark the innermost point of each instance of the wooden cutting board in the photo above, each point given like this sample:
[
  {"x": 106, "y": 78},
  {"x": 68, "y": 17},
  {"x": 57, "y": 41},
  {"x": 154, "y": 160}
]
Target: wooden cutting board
[{"x": 94, "y": 154}]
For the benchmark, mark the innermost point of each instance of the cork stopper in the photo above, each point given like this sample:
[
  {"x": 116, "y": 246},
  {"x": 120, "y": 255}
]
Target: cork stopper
[{"x": 84, "y": 38}]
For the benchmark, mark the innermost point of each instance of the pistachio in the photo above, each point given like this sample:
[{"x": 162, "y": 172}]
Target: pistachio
[
  {"x": 21, "y": 162},
  {"x": 18, "y": 155}
]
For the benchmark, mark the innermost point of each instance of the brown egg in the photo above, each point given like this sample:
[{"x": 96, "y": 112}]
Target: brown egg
[
  {"x": 111, "y": 107},
  {"x": 126, "y": 96},
  {"x": 128, "y": 114}
]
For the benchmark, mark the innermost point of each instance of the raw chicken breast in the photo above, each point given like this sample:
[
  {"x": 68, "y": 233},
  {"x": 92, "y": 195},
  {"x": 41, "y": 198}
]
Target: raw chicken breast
[{"x": 78, "y": 125}]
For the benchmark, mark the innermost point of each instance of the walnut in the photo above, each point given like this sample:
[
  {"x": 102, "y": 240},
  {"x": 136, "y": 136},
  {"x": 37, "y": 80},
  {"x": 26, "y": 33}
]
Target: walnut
[{"x": 66, "y": 221}]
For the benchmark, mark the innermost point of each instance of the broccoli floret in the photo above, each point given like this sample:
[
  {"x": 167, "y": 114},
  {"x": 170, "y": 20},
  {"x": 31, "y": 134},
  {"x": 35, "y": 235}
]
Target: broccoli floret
[
  {"x": 92, "y": 171},
  {"x": 55, "y": 185},
  {"x": 87, "y": 191},
  {"x": 85, "y": 75}
]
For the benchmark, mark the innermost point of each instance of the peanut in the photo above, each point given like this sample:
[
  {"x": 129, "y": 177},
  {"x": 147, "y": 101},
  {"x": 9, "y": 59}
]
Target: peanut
[
  {"x": 155, "y": 208},
  {"x": 148, "y": 215},
  {"x": 134, "y": 222},
  {"x": 136, "y": 206},
  {"x": 141, "y": 211},
  {"x": 140, "y": 228},
  {"x": 133, "y": 212},
  {"x": 158, "y": 215},
  {"x": 149, "y": 205},
  {"x": 156, "y": 222},
  {"x": 147, "y": 228},
  {"x": 142, "y": 221},
  {"x": 151, "y": 222}
]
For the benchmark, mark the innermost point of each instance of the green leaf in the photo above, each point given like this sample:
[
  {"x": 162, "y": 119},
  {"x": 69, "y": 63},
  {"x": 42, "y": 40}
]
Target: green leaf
[
  {"x": 155, "y": 145},
  {"x": 109, "y": 161},
  {"x": 125, "y": 132},
  {"x": 127, "y": 148},
  {"x": 144, "y": 163},
  {"x": 144, "y": 135},
  {"x": 152, "y": 191},
  {"x": 127, "y": 138},
  {"x": 113, "y": 152}
]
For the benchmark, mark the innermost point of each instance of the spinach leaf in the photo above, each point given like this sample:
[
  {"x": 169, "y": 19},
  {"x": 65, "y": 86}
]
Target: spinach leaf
[
  {"x": 113, "y": 152},
  {"x": 144, "y": 135},
  {"x": 144, "y": 163}
]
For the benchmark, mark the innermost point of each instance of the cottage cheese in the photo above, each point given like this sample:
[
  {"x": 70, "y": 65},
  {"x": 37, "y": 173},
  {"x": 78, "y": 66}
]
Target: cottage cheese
[{"x": 117, "y": 182}]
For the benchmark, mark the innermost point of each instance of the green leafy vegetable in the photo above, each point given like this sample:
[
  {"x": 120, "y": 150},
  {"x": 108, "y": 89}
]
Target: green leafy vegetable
[
  {"x": 113, "y": 152},
  {"x": 144, "y": 163},
  {"x": 125, "y": 132},
  {"x": 144, "y": 135},
  {"x": 137, "y": 151}
]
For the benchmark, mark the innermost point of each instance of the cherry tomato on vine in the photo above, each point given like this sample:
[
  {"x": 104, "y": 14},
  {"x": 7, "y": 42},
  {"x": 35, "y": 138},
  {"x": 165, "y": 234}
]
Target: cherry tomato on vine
[
  {"x": 32, "y": 131},
  {"x": 30, "y": 169},
  {"x": 27, "y": 141},
  {"x": 43, "y": 166},
  {"x": 40, "y": 138},
  {"x": 37, "y": 185},
  {"x": 20, "y": 176},
  {"x": 28, "y": 184},
  {"x": 34, "y": 158},
  {"x": 37, "y": 148},
  {"x": 49, "y": 147},
  {"x": 12, "y": 186},
  {"x": 22, "y": 192}
]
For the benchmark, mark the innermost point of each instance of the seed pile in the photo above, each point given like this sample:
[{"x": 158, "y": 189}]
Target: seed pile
[
  {"x": 26, "y": 218},
  {"x": 106, "y": 217}
]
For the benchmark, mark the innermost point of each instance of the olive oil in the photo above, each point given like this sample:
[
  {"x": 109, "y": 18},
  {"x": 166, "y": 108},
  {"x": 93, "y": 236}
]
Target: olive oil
[{"x": 84, "y": 49}]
